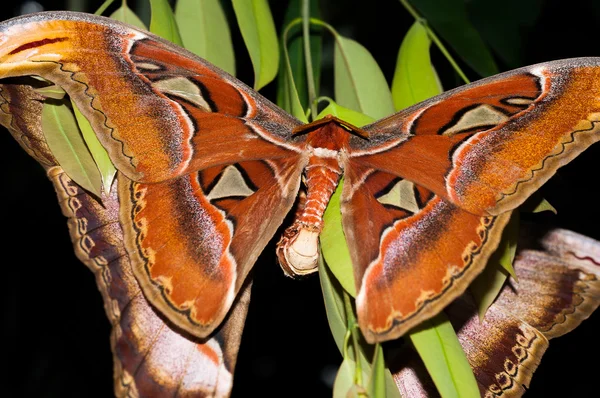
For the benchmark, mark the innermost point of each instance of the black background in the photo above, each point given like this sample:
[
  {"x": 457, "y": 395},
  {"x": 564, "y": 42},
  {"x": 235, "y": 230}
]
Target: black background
[{"x": 56, "y": 334}]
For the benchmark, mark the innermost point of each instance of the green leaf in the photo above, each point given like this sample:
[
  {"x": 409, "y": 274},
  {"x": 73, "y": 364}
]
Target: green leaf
[
  {"x": 162, "y": 21},
  {"x": 288, "y": 98},
  {"x": 333, "y": 243},
  {"x": 295, "y": 48},
  {"x": 415, "y": 79},
  {"x": 258, "y": 30},
  {"x": 508, "y": 245},
  {"x": 486, "y": 287},
  {"x": 536, "y": 204},
  {"x": 68, "y": 147},
  {"x": 344, "y": 380},
  {"x": 449, "y": 18},
  {"x": 103, "y": 7},
  {"x": 205, "y": 31},
  {"x": 544, "y": 205},
  {"x": 355, "y": 118},
  {"x": 53, "y": 91},
  {"x": 359, "y": 82},
  {"x": 99, "y": 154},
  {"x": 336, "y": 317},
  {"x": 126, "y": 15},
  {"x": 334, "y": 304},
  {"x": 376, "y": 386},
  {"x": 439, "y": 348}
]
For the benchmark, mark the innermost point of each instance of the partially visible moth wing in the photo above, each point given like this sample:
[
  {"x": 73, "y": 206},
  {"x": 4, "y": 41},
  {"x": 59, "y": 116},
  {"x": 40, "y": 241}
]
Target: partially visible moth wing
[
  {"x": 152, "y": 357},
  {"x": 194, "y": 239},
  {"x": 160, "y": 111},
  {"x": 554, "y": 293},
  {"x": 413, "y": 252},
  {"x": 488, "y": 145},
  {"x": 209, "y": 167}
]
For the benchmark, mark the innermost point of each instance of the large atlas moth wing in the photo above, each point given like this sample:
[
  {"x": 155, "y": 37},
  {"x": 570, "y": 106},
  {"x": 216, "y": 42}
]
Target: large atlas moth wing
[
  {"x": 152, "y": 357},
  {"x": 209, "y": 167},
  {"x": 415, "y": 253},
  {"x": 488, "y": 145},
  {"x": 556, "y": 290},
  {"x": 159, "y": 110}
]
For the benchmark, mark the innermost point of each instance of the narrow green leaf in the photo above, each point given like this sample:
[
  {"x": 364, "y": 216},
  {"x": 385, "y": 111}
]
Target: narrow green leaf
[
  {"x": 53, "y": 91},
  {"x": 99, "y": 154},
  {"x": 126, "y": 15},
  {"x": 376, "y": 387},
  {"x": 439, "y": 348},
  {"x": 508, "y": 245},
  {"x": 289, "y": 99},
  {"x": 359, "y": 82},
  {"x": 355, "y": 118},
  {"x": 334, "y": 304},
  {"x": 449, "y": 18},
  {"x": 162, "y": 21},
  {"x": 333, "y": 243},
  {"x": 103, "y": 7},
  {"x": 486, "y": 287},
  {"x": 205, "y": 31},
  {"x": 344, "y": 380},
  {"x": 536, "y": 204},
  {"x": 415, "y": 79},
  {"x": 68, "y": 147},
  {"x": 258, "y": 30},
  {"x": 544, "y": 205},
  {"x": 336, "y": 317},
  {"x": 295, "y": 50}
]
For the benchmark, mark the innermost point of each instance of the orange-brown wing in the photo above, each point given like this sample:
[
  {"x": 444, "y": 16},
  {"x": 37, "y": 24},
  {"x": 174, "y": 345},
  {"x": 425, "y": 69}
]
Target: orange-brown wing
[
  {"x": 160, "y": 111},
  {"x": 488, "y": 145},
  {"x": 556, "y": 290},
  {"x": 152, "y": 357},
  {"x": 194, "y": 239},
  {"x": 412, "y": 251},
  {"x": 209, "y": 168}
]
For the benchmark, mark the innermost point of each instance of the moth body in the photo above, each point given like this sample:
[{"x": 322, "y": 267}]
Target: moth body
[{"x": 298, "y": 249}]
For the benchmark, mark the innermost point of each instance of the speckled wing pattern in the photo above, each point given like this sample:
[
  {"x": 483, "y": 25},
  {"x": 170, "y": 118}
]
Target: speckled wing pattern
[
  {"x": 558, "y": 287},
  {"x": 152, "y": 357}
]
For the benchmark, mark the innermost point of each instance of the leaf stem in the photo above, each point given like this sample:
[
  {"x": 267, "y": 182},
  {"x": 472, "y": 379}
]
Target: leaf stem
[
  {"x": 308, "y": 57},
  {"x": 435, "y": 39},
  {"x": 103, "y": 7}
]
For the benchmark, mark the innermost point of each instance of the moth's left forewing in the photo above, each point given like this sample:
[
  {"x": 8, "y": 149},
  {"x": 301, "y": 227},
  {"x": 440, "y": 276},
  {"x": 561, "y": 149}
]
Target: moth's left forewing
[
  {"x": 127, "y": 81},
  {"x": 412, "y": 251}
]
